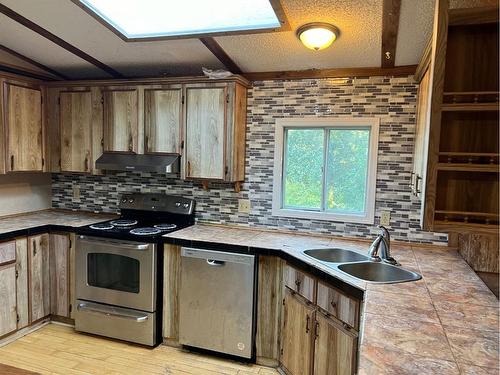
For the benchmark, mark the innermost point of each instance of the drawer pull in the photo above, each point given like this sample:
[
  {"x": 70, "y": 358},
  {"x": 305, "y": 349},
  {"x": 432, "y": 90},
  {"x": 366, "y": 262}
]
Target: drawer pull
[{"x": 308, "y": 319}]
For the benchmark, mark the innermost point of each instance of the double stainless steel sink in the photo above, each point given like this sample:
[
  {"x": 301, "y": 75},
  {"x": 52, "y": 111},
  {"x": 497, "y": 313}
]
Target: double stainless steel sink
[{"x": 359, "y": 266}]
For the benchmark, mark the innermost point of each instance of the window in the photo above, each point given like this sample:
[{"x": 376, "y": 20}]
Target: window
[
  {"x": 326, "y": 169},
  {"x": 135, "y": 19}
]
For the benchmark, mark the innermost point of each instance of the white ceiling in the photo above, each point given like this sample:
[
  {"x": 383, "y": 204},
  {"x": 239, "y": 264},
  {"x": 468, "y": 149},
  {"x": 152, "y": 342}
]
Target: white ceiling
[{"x": 359, "y": 45}]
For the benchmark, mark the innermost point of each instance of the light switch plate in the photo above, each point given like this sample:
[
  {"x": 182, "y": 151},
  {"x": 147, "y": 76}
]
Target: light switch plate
[
  {"x": 385, "y": 218},
  {"x": 244, "y": 205}
]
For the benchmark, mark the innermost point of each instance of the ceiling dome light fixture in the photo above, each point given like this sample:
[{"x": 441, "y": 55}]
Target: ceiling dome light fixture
[{"x": 317, "y": 35}]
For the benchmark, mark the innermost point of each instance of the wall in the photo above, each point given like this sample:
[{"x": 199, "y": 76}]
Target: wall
[
  {"x": 24, "y": 193},
  {"x": 391, "y": 99}
]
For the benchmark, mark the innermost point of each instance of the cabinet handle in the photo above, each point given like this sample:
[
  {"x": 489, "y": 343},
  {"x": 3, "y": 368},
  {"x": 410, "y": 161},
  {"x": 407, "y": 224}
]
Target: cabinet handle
[
  {"x": 130, "y": 144},
  {"x": 86, "y": 164},
  {"x": 308, "y": 320},
  {"x": 316, "y": 330},
  {"x": 411, "y": 180},
  {"x": 146, "y": 146},
  {"x": 189, "y": 169},
  {"x": 297, "y": 284},
  {"x": 11, "y": 162},
  {"x": 334, "y": 304},
  {"x": 34, "y": 247},
  {"x": 417, "y": 188}
]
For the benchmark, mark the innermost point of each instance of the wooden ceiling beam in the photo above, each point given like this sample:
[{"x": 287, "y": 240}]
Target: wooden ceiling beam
[
  {"x": 219, "y": 52},
  {"x": 390, "y": 26},
  {"x": 33, "y": 62},
  {"x": 60, "y": 42},
  {"x": 332, "y": 73}
]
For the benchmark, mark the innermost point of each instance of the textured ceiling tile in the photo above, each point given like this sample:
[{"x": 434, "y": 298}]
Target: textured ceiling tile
[
  {"x": 71, "y": 23},
  {"x": 360, "y": 24},
  {"x": 415, "y": 29}
]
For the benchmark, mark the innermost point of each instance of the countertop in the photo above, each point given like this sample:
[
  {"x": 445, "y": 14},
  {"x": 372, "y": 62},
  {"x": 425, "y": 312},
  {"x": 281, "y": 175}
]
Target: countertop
[
  {"x": 16, "y": 224},
  {"x": 446, "y": 323}
]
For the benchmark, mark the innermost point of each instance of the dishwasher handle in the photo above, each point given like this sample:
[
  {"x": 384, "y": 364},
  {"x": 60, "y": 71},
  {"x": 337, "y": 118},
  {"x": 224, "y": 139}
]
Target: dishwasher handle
[{"x": 215, "y": 263}]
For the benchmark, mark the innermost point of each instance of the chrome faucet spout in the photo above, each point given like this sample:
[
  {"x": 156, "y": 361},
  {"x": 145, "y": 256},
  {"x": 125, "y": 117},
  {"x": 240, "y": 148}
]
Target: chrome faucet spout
[{"x": 374, "y": 248}]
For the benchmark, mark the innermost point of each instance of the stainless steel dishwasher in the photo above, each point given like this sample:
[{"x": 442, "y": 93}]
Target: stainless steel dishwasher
[{"x": 217, "y": 301}]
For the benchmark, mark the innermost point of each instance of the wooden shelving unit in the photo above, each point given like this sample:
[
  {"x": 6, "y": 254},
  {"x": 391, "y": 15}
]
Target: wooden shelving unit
[{"x": 470, "y": 101}]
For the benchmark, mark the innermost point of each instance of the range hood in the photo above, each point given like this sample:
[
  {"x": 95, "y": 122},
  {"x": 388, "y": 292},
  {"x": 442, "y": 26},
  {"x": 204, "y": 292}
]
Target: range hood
[{"x": 112, "y": 161}]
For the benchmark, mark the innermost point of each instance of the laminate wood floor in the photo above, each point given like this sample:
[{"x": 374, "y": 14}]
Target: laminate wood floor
[{"x": 58, "y": 349}]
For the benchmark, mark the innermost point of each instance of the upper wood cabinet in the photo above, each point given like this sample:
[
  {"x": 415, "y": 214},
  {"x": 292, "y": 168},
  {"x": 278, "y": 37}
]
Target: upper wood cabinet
[
  {"x": 214, "y": 131},
  {"x": 121, "y": 121},
  {"x": 75, "y": 114},
  {"x": 23, "y": 128},
  {"x": 162, "y": 120}
]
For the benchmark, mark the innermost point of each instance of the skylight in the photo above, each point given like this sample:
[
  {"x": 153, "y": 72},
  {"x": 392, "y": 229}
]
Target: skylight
[{"x": 163, "y": 18}]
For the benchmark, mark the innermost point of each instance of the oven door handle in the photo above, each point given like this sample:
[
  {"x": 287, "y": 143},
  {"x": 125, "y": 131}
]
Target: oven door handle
[
  {"x": 120, "y": 244},
  {"x": 139, "y": 318}
]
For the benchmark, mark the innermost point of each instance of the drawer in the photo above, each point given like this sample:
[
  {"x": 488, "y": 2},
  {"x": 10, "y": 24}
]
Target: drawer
[
  {"x": 337, "y": 304},
  {"x": 7, "y": 252},
  {"x": 300, "y": 282}
]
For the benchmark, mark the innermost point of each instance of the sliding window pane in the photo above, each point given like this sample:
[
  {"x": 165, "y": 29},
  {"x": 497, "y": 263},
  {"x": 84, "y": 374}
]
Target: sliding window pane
[
  {"x": 347, "y": 170},
  {"x": 303, "y": 168}
]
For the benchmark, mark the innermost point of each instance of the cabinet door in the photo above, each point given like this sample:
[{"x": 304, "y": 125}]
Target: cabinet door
[
  {"x": 421, "y": 135},
  {"x": 8, "y": 319},
  {"x": 335, "y": 349},
  {"x": 121, "y": 120},
  {"x": 24, "y": 129},
  {"x": 162, "y": 120},
  {"x": 297, "y": 343},
  {"x": 75, "y": 114},
  {"x": 22, "y": 282},
  {"x": 59, "y": 274},
  {"x": 38, "y": 255},
  {"x": 205, "y": 131}
]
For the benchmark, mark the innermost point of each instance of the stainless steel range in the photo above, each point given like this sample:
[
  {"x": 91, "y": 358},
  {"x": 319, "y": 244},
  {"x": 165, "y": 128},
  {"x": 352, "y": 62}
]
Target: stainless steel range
[{"x": 119, "y": 268}]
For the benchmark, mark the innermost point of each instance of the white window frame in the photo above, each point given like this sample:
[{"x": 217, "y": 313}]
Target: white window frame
[{"x": 368, "y": 216}]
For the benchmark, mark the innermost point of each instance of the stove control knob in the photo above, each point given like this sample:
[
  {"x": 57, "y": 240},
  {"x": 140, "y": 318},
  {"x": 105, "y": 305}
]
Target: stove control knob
[
  {"x": 131, "y": 200},
  {"x": 124, "y": 200},
  {"x": 185, "y": 205},
  {"x": 177, "y": 204}
]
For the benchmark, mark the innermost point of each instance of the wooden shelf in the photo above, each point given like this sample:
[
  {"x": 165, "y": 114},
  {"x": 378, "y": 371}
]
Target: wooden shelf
[
  {"x": 468, "y": 213},
  {"x": 448, "y": 226},
  {"x": 470, "y": 101},
  {"x": 468, "y": 167},
  {"x": 457, "y": 220}
]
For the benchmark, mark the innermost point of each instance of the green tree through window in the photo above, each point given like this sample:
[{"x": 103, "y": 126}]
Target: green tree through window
[{"x": 335, "y": 180}]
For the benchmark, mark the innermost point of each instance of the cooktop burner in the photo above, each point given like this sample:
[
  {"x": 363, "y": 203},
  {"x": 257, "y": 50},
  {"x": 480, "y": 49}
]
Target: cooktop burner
[
  {"x": 102, "y": 226},
  {"x": 123, "y": 223},
  {"x": 165, "y": 226},
  {"x": 146, "y": 231}
]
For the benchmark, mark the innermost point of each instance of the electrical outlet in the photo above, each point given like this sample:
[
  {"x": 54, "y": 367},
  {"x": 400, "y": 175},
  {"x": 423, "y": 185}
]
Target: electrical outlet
[
  {"x": 76, "y": 192},
  {"x": 244, "y": 205},
  {"x": 385, "y": 218}
]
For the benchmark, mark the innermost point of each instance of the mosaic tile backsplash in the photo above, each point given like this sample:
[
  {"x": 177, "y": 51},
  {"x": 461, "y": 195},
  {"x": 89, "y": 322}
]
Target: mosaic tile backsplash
[{"x": 391, "y": 99}]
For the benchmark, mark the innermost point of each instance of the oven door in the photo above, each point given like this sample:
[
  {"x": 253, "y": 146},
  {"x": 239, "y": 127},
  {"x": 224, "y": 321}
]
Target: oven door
[{"x": 120, "y": 273}]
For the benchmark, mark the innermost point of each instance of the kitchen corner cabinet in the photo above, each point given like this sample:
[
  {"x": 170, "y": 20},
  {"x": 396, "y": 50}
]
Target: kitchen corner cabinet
[
  {"x": 162, "y": 120},
  {"x": 75, "y": 115},
  {"x": 23, "y": 127},
  {"x": 319, "y": 338},
  {"x": 214, "y": 131},
  {"x": 38, "y": 259},
  {"x": 121, "y": 120}
]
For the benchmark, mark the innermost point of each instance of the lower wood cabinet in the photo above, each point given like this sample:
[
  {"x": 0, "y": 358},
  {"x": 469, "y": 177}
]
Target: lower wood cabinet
[
  {"x": 60, "y": 274},
  {"x": 22, "y": 287},
  {"x": 297, "y": 343},
  {"x": 8, "y": 313},
  {"x": 334, "y": 349},
  {"x": 38, "y": 257}
]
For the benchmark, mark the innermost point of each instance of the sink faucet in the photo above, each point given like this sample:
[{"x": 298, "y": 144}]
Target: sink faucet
[{"x": 382, "y": 246}]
